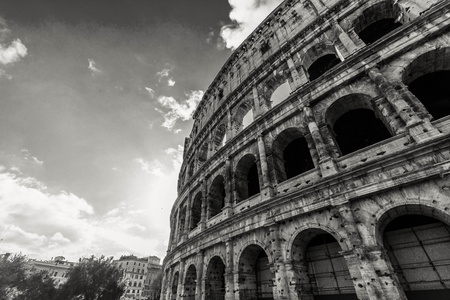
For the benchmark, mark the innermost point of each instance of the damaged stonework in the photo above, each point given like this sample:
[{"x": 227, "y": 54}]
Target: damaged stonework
[{"x": 342, "y": 189}]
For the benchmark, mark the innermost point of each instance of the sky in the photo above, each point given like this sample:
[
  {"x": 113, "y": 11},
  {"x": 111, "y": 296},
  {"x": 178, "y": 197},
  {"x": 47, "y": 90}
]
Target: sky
[{"x": 96, "y": 99}]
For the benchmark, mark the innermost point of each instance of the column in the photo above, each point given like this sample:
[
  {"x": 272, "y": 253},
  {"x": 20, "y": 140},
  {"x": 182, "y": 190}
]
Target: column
[
  {"x": 199, "y": 292},
  {"x": 280, "y": 281},
  {"x": 297, "y": 81},
  {"x": 361, "y": 260},
  {"x": 205, "y": 205},
  {"x": 421, "y": 130},
  {"x": 187, "y": 221},
  {"x": 229, "y": 275},
  {"x": 228, "y": 208},
  {"x": 326, "y": 163},
  {"x": 230, "y": 131},
  {"x": 180, "y": 288},
  {"x": 267, "y": 190},
  {"x": 343, "y": 37},
  {"x": 258, "y": 106}
]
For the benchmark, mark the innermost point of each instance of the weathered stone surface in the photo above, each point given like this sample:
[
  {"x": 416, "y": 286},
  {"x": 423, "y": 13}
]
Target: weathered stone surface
[{"x": 281, "y": 209}]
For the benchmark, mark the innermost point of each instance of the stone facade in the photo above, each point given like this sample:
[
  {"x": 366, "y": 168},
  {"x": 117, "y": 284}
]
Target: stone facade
[{"x": 341, "y": 189}]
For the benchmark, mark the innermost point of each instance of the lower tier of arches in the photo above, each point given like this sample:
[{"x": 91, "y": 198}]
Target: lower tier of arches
[{"x": 394, "y": 245}]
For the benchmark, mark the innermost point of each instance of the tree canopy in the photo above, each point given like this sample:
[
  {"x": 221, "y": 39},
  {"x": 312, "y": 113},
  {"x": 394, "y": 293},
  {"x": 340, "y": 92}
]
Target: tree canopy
[
  {"x": 93, "y": 279},
  {"x": 20, "y": 282}
]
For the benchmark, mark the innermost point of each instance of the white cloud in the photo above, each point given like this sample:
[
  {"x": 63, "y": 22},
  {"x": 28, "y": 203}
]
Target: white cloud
[
  {"x": 246, "y": 15},
  {"x": 150, "y": 91},
  {"x": 164, "y": 76},
  {"x": 164, "y": 73},
  {"x": 93, "y": 66},
  {"x": 179, "y": 110},
  {"x": 154, "y": 167},
  {"x": 42, "y": 224},
  {"x": 12, "y": 53}
]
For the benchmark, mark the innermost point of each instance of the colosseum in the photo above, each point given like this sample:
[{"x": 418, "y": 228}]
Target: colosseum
[{"x": 318, "y": 166}]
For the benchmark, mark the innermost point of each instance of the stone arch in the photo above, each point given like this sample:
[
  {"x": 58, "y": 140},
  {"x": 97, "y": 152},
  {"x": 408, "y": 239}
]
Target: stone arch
[
  {"x": 318, "y": 265},
  {"x": 196, "y": 211},
  {"x": 215, "y": 278},
  {"x": 354, "y": 123},
  {"x": 246, "y": 177},
  {"x": 310, "y": 228},
  {"x": 174, "y": 285},
  {"x": 219, "y": 136},
  {"x": 291, "y": 154},
  {"x": 190, "y": 281},
  {"x": 319, "y": 59},
  {"x": 276, "y": 81},
  {"x": 416, "y": 239},
  {"x": 238, "y": 119},
  {"x": 377, "y": 21},
  {"x": 254, "y": 274},
  {"x": 427, "y": 77},
  {"x": 414, "y": 207},
  {"x": 216, "y": 196}
]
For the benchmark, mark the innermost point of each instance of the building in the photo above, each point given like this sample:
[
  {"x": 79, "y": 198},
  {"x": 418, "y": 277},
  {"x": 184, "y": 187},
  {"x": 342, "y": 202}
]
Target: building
[
  {"x": 57, "y": 268},
  {"x": 341, "y": 189},
  {"x": 153, "y": 279},
  {"x": 138, "y": 274}
]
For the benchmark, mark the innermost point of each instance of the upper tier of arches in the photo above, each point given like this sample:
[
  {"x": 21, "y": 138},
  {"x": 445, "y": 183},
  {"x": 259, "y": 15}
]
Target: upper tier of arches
[{"x": 256, "y": 79}]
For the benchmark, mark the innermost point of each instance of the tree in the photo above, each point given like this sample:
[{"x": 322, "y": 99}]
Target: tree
[
  {"x": 19, "y": 282},
  {"x": 93, "y": 279}
]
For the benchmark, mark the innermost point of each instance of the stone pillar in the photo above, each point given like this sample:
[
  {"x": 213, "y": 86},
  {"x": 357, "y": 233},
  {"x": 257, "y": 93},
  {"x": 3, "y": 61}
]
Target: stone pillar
[
  {"x": 296, "y": 79},
  {"x": 199, "y": 292},
  {"x": 228, "y": 208},
  {"x": 421, "y": 130},
  {"x": 343, "y": 37},
  {"x": 259, "y": 108},
  {"x": 204, "y": 205},
  {"x": 168, "y": 292},
  {"x": 229, "y": 275},
  {"x": 230, "y": 131},
  {"x": 267, "y": 190},
  {"x": 304, "y": 78},
  {"x": 326, "y": 163},
  {"x": 299, "y": 286},
  {"x": 180, "y": 288},
  {"x": 280, "y": 280},
  {"x": 362, "y": 260},
  {"x": 187, "y": 221}
]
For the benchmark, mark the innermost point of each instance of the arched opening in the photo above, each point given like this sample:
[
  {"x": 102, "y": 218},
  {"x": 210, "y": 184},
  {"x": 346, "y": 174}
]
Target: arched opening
[
  {"x": 418, "y": 249},
  {"x": 327, "y": 276},
  {"x": 427, "y": 78},
  {"x": 247, "y": 178},
  {"x": 190, "y": 283},
  {"x": 243, "y": 115},
  {"x": 433, "y": 90},
  {"x": 216, "y": 196},
  {"x": 281, "y": 93},
  {"x": 377, "y": 30},
  {"x": 248, "y": 119},
  {"x": 196, "y": 211},
  {"x": 176, "y": 277},
  {"x": 291, "y": 154},
  {"x": 376, "y": 21},
  {"x": 322, "y": 65},
  {"x": 219, "y": 138},
  {"x": 255, "y": 276},
  {"x": 215, "y": 279},
  {"x": 357, "y": 129}
]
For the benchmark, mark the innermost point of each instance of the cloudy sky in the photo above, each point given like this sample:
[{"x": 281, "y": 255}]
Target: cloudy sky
[{"x": 96, "y": 98}]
